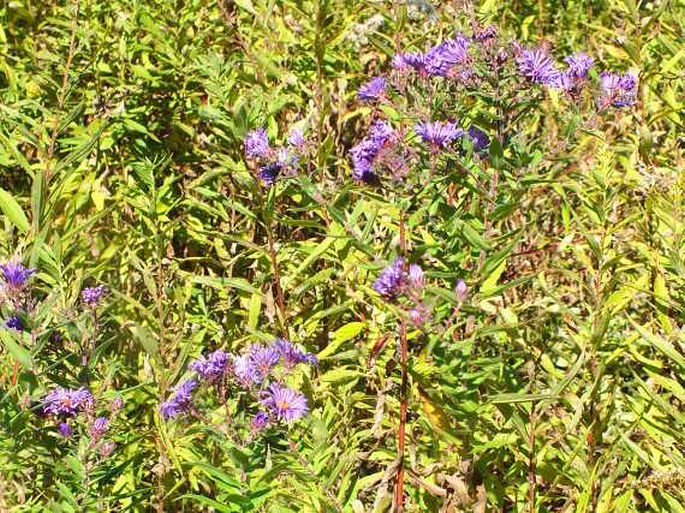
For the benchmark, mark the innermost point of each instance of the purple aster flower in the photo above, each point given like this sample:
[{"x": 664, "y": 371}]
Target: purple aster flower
[
  {"x": 579, "y": 64},
  {"x": 461, "y": 291},
  {"x": 16, "y": 275},
  {"x": 213, "y": 367},
  {"x": 405, "y": 61},
  {"x": 99, "y": 427},
  {"x": 291, "y": 355},
  {"x": 484, "y": 33},
  {"x": 564, "y": 80},
  {"x": 438, "y": 134},
  {"x": 14, "y": 323},
  {"x": 372, "y": 90},
  {"x": 67, "y": 402},
  {"x": 391, "y": 279},
  {"x": 619, "y": 90},
  {"x": 257, "y": 144},
  {"x": 285, "y": 403},
  {"x": 107, "y": 449},
  {"x": 269, "y": 172},
  {"x": 64, "y": 429},
  {"x": 416, "y": 276},
  {"x": 296, "y": 138},
  {"x": 480, "y": 139},
  {"x": 366, "y": 153},
  {"x": 441, "y": 59},
  {"x": 181, "y": 401},
  {"x": 419, "y": 315},
  {"x": 264, "y": 359},
  {"x": 244, "y": 371},
  {"x": 91, "y": 296},
  {"x": 537, "y": 66},
  {"x": 259, "y": 422}
]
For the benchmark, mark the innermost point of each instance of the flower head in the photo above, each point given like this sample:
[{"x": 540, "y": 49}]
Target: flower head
[
  {"x": 369, "y": 150},
  {"x": 296, "y": 138},
  {"x": 537, "y": 66},
  {"x": 269, "y": 172},
  {"x": 260, "y": 421},
  {"x": 441, "y": 59},
  {"x": 181, "y": 401},
  {"x": 257, "y": 144},
  {"x": 264, "y": 359},
  {"x": 213, "y": 366},
  {"x": 480, "y": 139},
  {"x": 405, "y": 61},
  {"x": 372, "y": 90},
  {"x": 107, "y": 449},
  {"x": 99, "y": 427},
  {"x": 16, "y": 275},
  {"x": 438, "y": 134},
  {"x": 391, "y": 279},
  {"x": 461, "y": 291},
  {"x": 14, "y": 323},
  {"x": 67, "y": 402},
  {"x": 416, "y": 276},
  {"x": 64, "y": 429},
  {"x": 579, "y": 64},
  {"x": 285, "y": 403},
  {"x": 291, "y": 355},
  {"x": 91, "y": 296},
  {"x": 619, "y": 90},
  {"x": 245, "y": 372}
]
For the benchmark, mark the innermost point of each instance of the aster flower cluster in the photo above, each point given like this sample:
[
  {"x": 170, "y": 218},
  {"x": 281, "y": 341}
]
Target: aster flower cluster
[
  {"x": 374, "y": 151},
  {"x": 398, "y": 281},
  {"x": 449, "y": 59},
  {"x": 74, "y": 407},
  {"x": 91, "y": 296},
  {"x": 259, "y": 372},
  {"x": 617, "y": 90},
  {"x": 272, "y": 162}
]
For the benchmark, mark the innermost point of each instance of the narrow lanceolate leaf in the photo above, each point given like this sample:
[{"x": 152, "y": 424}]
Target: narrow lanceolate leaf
[
  {"x": 21, "y": 354},
  {"x": 13, "y": 211}
]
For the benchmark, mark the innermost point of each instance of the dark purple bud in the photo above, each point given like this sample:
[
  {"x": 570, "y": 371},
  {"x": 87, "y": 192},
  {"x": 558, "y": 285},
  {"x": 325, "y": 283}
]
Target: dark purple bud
[{"x": 65, "y": 429}]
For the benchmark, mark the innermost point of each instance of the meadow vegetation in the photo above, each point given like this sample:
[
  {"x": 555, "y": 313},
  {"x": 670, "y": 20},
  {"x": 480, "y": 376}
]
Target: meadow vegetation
[{"x": 342, "y": 256}]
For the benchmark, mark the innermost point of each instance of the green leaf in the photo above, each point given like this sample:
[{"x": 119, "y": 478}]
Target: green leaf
[{"x": 13, "y": 211}]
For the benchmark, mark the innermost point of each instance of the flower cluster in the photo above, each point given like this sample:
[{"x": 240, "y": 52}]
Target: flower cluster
[
  {"x": 274, "y": 162},
  {"x": 449, "y": 59},
  {"x": 73, "y": 407},
  {"x": 91, "y": 296},
  {"x": 397, "y": 280},
  {"x": 370, "y": 153},
  {"x": 259, "y": 371}
]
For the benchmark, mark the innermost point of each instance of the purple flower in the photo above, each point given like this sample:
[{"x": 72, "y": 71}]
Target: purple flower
[
  {"x": 579, "y": 64},
  {"x": 257, "y": 144},
  {"x": 213, "y": 366},
  {"x": 107, "y": 449},
  {"x": 564, "y": 80},
  {"x": 91, "y": 296},
  {"x": 484, "y": 33},
  {"x": 290, "y": 354},
  {"x": 480, "y": 139},
  {"x": 441, "y": 59},
  {"x": 416, "y": 61},
  {"x": 244, "y": 371},
  {"x": 181, "y": 401},
  {"x": 367, "y": 152},
  {"x": 285, "y": 403},
  {"x": 14, "y": 323},
  {"x": 15, "y": 275},
  {"x": 416, "y": 277},
  {"x": 99, "y": 427},
  {"x": 67, "y": 402},
  {"x": 438, "y": 134},
  {"x": 372, "y": 90},
  {"x": 64, "y": 429},
  {"x": 264, "y": 359},
  {"x": 619, "y": 90},
  {"x": 391, "y": 279},
  {"x": 461, "y": 291},
  {"x": 269, "y": 172},
  {"x": 259, "y": 422},
  {"x": 536, "y": 66},
  {"x": 296, "y": 138}
]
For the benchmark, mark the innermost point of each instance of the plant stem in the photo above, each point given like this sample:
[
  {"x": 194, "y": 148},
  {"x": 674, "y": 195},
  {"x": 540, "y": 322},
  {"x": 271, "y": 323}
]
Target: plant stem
[{"x": 401, "y": 433}]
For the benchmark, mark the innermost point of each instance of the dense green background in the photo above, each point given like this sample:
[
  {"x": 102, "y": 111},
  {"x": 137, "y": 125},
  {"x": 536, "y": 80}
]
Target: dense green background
[{"x": 121, "y": 126}]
